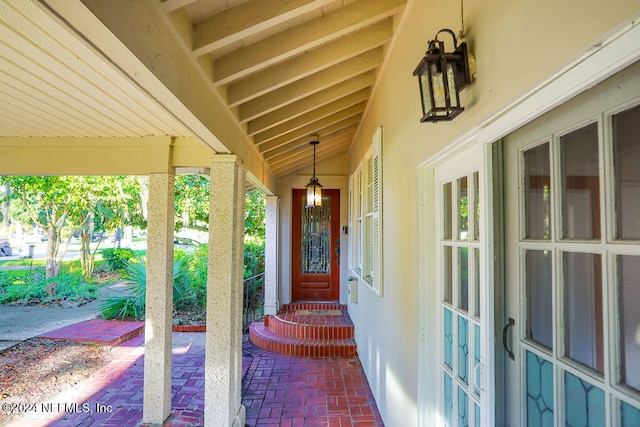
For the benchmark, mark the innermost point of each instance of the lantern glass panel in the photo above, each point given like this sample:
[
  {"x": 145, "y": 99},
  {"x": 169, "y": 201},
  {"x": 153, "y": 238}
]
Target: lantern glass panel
[
  {"x": 451, "y": 79},
  {"x": 314, "y": 195},
  {"x": 437, "y": 85},
  {"x": 425, "y": 92}
]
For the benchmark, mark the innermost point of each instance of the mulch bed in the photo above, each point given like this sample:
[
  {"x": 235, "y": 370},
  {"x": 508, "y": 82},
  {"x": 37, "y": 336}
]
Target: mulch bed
[{"x": 37, "y": 370}]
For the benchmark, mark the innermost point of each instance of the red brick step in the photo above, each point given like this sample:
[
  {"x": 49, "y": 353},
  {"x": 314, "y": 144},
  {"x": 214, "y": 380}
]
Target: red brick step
[{"x": 293, "y": 334}]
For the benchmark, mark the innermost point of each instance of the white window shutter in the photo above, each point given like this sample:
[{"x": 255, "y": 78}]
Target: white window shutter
[{"x": 376, "y": 190}]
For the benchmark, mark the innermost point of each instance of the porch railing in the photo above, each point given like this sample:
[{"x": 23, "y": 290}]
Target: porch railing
[{"x": 253, "y": 300}]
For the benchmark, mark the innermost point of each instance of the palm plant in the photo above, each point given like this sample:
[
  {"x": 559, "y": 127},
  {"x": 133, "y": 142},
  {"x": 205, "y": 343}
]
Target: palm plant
[{"x": 133, "y": 304}]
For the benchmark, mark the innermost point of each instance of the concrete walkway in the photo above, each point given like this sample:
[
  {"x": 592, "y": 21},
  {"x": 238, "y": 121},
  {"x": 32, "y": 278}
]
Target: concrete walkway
[{"x": 19, "y": 323}]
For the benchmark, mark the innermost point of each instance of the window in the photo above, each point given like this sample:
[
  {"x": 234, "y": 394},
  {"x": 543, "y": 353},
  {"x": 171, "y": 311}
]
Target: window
[{"x": 365, "y": 189}]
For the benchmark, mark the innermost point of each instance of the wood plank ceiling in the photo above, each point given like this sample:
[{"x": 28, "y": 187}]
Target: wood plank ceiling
[
  {"x": 287, "y": 69},
  {"x": 291, "y": 68}
]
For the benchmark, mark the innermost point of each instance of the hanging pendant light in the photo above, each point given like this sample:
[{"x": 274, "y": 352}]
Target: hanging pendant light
[{"x": 314, "y": 189}]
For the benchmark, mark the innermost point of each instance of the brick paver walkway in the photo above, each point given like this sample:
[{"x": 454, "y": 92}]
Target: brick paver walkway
[{"x": 277, "y": 390}]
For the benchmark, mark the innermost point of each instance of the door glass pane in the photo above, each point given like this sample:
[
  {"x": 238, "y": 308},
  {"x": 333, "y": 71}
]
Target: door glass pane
[
  {"x": 630, "y": 416},
  {"x": 447, "y": 272},
  {"x": 316, "y": 238},
  {"x": 476, "y": 282},
  {"x": 584, "y": 403},
  {"x": 476, "y": 359},
  {"x": 584, "y": 339},
  {"x": 476, "y": 207},
  {"x": 539, "y": 391},
  {"x": 580, "y": 184},
  {"x": 446, "y": 211},
  {"x": 448, "y": 400},
  {"x": 626, "y": 157},
  {"x": 463, "y": 349},
  {"x": 463, "y": 408},
  {"x": 629, "y": 303},
  {"x": 537, "y": 194},
  {"x": 539, "y": 297},
  {"x": 463, "y": 278},
  {"x": 463, "y": 208},
  {"x": 448, "y": 338},
  {"x": 476, "y": 408}
]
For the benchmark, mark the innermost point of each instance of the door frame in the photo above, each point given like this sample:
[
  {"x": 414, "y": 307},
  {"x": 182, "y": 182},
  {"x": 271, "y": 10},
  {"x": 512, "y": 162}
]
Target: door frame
[{"x": 335, "y": 243}]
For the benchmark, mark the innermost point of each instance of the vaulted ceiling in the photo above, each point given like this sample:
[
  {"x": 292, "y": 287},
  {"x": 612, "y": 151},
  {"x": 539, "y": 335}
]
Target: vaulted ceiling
[
  {"x": 286, "y": 70},
  {"x": 291, "y": 68}
]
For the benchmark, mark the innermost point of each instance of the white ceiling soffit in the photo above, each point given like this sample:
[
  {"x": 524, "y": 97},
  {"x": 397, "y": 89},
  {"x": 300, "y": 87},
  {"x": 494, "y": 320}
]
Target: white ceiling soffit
[
  {"x": 53, "y": 85},
  {"x": 285, "y": 68}
]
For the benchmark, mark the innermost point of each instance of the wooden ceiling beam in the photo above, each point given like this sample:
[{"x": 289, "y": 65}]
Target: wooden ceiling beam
[
  {"x": 362, "y": 82},
  {"x": 312, "y": 84},
  {"x": 297, "y": 40},
  {"x": 293, "y": 148},
  {"x": 310, "y": 62},
  {"x": 359, "y": 97},
  {"x": 333, "y": 114},
  {"x": 326, "y": 125},
  {"x": 245, "y": 20}
]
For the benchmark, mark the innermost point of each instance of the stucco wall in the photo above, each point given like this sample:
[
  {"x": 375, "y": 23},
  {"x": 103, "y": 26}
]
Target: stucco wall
[{"x": 517, "y": 45}]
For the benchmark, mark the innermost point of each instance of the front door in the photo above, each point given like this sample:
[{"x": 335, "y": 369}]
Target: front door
[
  {"x": 572, "y": 266},
  {"x": 316, "y": 247}
]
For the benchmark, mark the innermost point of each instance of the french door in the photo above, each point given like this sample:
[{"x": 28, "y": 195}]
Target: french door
[
  {"x": 572, "y": 262},
  {"x": 462, "y": 309}
]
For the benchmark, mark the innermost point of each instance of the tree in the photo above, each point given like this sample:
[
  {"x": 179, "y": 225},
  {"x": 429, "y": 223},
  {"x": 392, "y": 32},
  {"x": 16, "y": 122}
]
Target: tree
[
  {"x": 192, "y": 202},
  {"x": 79, "y": 203}
]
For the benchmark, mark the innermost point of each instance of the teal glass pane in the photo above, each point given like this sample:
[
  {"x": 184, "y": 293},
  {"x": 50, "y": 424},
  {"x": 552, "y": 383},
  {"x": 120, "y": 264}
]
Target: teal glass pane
[
  {"x": 539, "y": 391},
  {"x": 476, "y": 358},
  {"x": 630, "y": 415},
  {"x": 584, "y": 404},
  {"x": 448, "y": 400},
  {"x": 476, "y": 418},
  {"x": 463, "y": 408},
  {"x": 448, "y": 338},
  {"x": 463, "y": 349}
]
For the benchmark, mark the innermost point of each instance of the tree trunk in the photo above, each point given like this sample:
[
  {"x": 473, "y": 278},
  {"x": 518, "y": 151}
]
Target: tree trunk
[{"x": 52, "y": 267}]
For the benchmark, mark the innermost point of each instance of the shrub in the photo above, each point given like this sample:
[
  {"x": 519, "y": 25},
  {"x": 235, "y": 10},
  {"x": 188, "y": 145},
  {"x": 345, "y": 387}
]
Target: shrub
[
  {"x": 30, "y": 286},
  {"x": 117, "y": 258},
  {"x": 133, "y": 306}
]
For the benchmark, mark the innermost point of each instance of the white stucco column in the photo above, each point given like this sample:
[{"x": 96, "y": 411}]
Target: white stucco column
[
  {"x": 159, "y": 300},
  {"x": 271, "y": 256},
  {"x": 223, "y": 357}
]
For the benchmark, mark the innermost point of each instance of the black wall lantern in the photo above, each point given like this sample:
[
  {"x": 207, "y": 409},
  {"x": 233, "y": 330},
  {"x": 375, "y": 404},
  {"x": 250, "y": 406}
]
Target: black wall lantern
[
  {"x": 441, "y": 77},
  {"x": 314, "y": 189}
]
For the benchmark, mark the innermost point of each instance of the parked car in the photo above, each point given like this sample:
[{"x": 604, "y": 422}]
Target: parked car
[
  {"x": 185, "y": 243},
  {"x": 5, "y": 248}
]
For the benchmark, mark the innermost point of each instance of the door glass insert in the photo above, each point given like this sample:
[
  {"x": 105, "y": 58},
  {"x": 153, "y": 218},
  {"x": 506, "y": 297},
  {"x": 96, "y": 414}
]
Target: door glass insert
[
  {"x": 463, "y": 408},
  {"x": 463, "y": 208},
  {"x": 537, "y": 193},
  {"x": 629, "y": 415},
  {"x": 476, "y": 282},
  {"x": 448, "y": 338},
  {"x": 584, "y": 403},
  {"x": 448, "y": 273},
  {"x": 476, "y": 359},
  {"x": 629, "y": 309},
  {"x": 580, "y": 184},
  {"x": 539, "y": 391},
  {"x": 463, "y": 349},
  {"x": 316, "y": 238},
  {"x": 463, "y": 278},
  {"x": 476, "y": 205},
  {"x": 626, "y": 157},
  {"x": 447, "y": 231},
  {"x": 448, "y": 400},
  {"x": 584, "y": 339},
  {"x": 539, "y": 292}
]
